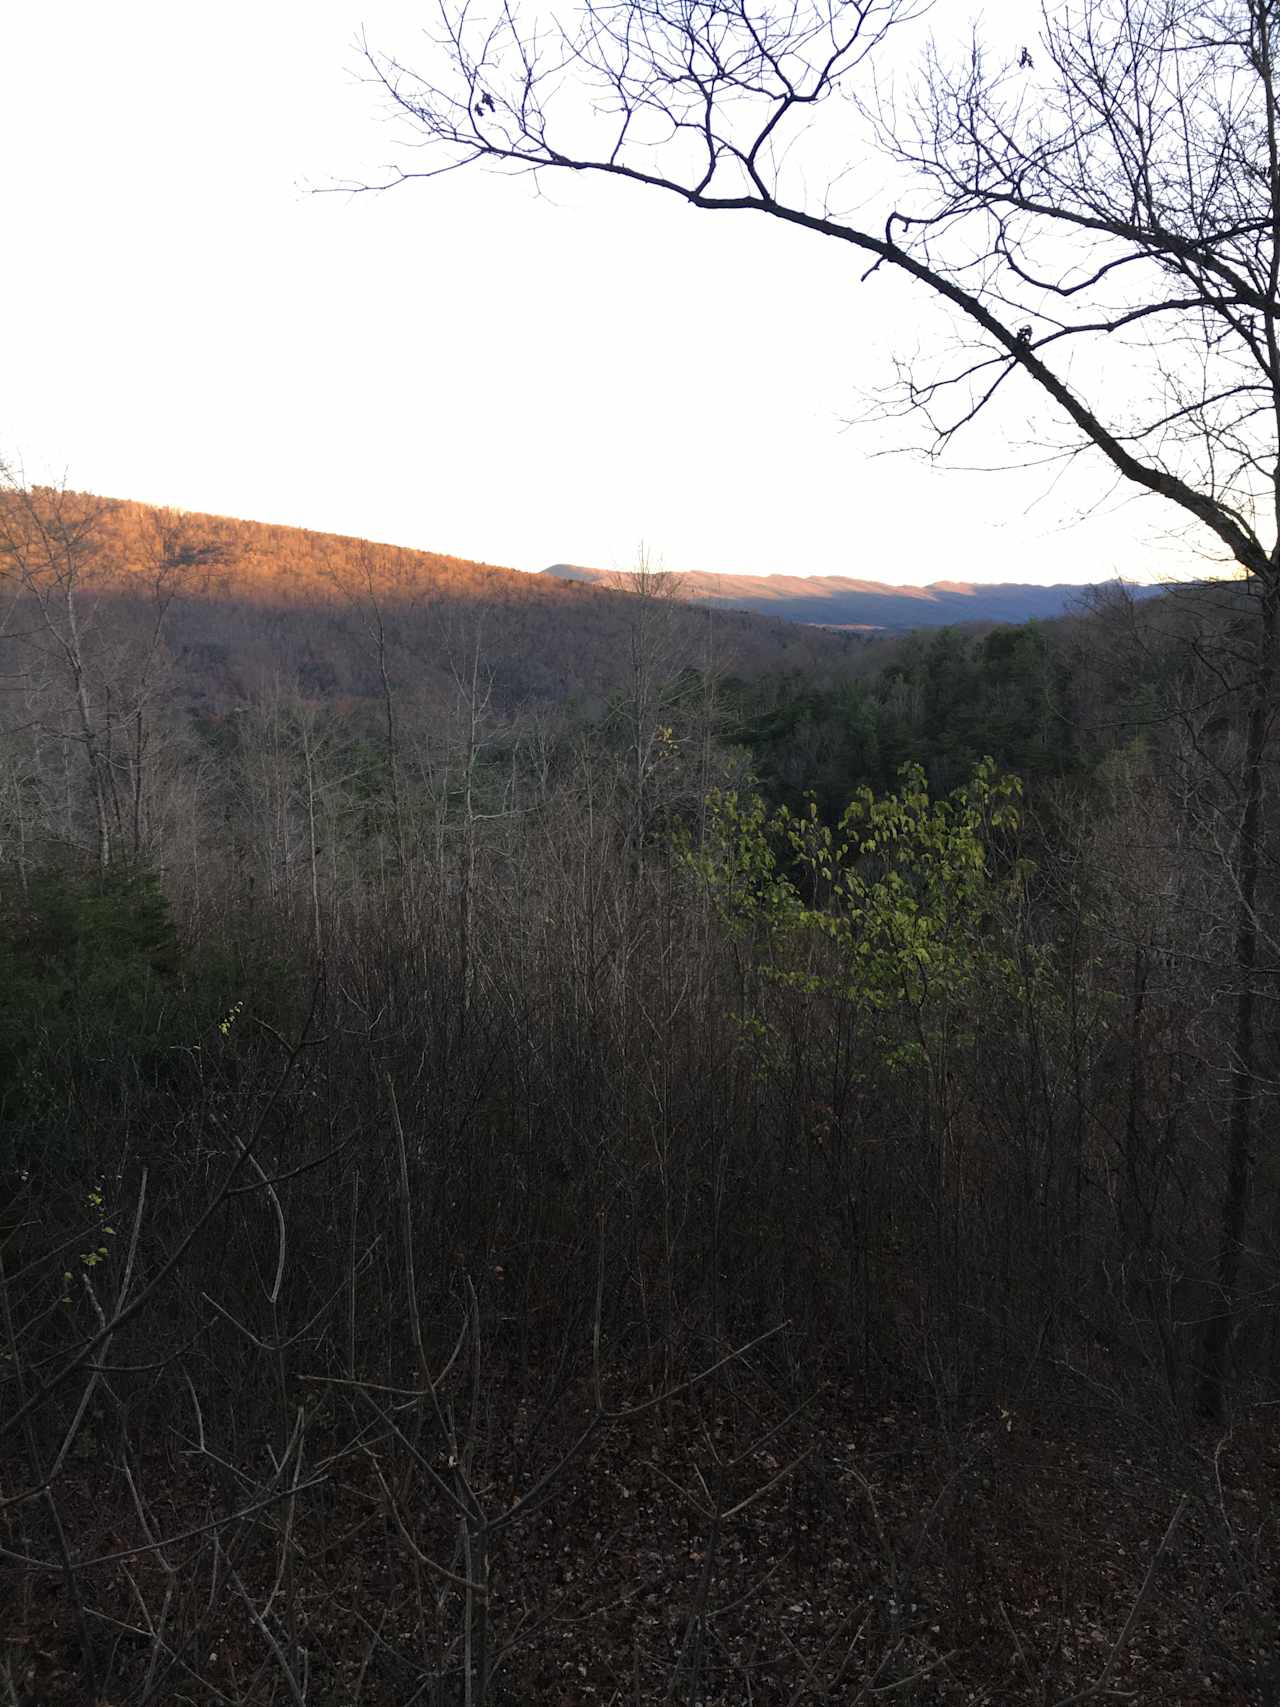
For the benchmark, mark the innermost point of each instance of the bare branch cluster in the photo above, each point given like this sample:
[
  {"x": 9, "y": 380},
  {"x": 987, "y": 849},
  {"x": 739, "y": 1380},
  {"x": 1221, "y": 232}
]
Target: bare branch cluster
[{"x": 1102, "y": 214}]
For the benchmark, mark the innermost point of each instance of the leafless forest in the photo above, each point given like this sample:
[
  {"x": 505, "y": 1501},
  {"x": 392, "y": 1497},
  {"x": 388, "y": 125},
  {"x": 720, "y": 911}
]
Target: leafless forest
[{"x": 506, "y": 1202}]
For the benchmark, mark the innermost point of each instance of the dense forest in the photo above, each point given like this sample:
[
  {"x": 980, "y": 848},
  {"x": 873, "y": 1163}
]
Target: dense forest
[{"x": 561, "y": 1147}]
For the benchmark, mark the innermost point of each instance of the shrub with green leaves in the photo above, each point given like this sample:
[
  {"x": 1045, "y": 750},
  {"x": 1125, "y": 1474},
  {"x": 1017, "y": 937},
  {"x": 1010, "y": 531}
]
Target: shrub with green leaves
[{"x": 903, "y": 916}]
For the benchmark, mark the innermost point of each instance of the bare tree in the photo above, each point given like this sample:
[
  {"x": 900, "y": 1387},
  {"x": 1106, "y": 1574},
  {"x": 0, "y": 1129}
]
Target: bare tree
[
  {"x": 49, "y": 544},
  {"x": 87, "y": 617},
  {"x": 654, "y": 684},
  {"x": 1100, "y": 209}
]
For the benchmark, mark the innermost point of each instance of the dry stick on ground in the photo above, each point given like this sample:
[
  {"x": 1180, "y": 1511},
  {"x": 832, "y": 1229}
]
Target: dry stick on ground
[
  {"x": 716, "y": 1515},
  {"x": 899, "y": 1575},
  {"x": 811, "y": 1682},
  {"x": 1117, "y": 1647},
  {"x": 475, "y": 1580},
  {"x": 368, "y": 1656},
  {"x": 211, "y": 1528},
  {"x": 470, "y": 1583},
  {"x": 1036, "y": 1683},
  {"x": 156, "y": 1628},
  {"x": 289, "y": 1464},
  {"x": 74, "y": 1596},
  {"x": 1264, "y": 1677},
  {"x": 296, "y": 1686}
]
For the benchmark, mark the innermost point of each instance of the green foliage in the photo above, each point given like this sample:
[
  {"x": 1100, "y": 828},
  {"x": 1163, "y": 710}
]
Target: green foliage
[
  {"x": 94, "y": 933},
  {"x": 904, "y": 915},
  {"x": 84, "y": 956},
  {"x": 805, "y": 739},
  {"x": 738, "y": 865},
  {"x": 939, "y": 701}
]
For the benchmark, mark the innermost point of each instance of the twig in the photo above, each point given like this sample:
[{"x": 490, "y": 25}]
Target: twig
[{"x": 1117, "y": 1647}]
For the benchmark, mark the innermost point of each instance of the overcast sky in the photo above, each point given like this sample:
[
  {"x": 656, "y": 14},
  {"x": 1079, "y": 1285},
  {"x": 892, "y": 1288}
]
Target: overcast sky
[{"x": 468, "y": 365}]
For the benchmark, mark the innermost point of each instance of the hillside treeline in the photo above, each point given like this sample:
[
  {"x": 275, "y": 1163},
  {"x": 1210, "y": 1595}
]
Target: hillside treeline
[{"x": 515, "y": 1192}]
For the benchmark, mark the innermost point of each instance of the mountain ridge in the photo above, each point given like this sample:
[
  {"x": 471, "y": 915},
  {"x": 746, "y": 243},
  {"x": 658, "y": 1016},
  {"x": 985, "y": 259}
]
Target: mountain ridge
[{"x": 840, "y": 601}]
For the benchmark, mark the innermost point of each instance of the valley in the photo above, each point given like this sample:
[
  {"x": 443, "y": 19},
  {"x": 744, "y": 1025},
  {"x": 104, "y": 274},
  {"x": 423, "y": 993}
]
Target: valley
[{"x": 562, "y": 1144}]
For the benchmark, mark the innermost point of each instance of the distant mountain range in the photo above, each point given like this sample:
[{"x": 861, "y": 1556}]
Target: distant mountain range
[{"x": 836, "y": 601}]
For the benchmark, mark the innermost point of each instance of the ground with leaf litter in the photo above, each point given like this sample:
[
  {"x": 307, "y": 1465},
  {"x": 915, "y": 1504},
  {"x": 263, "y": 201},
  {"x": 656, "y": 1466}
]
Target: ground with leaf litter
[{"x": 722, "y": 1548}]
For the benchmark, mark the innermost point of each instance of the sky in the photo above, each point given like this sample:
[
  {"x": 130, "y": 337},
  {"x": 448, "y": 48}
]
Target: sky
[{"x": 517, "y": 373}]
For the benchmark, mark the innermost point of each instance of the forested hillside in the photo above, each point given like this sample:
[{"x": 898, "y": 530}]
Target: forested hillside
[
  {"x": 558, "y": 1147},
  {"x": 841, "y": 601},
  {"x": 244, "y": 603}
]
